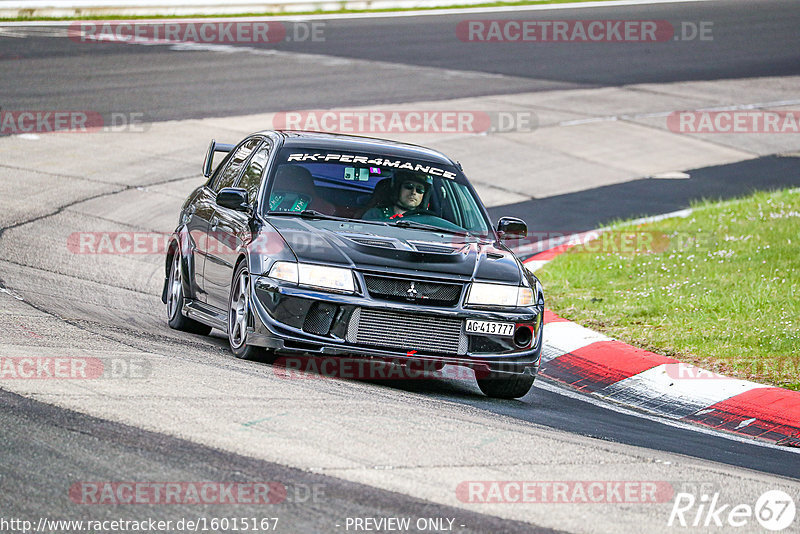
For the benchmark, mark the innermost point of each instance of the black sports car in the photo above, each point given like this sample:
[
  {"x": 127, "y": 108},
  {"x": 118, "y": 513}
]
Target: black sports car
[{"x": 328, "y": 245}]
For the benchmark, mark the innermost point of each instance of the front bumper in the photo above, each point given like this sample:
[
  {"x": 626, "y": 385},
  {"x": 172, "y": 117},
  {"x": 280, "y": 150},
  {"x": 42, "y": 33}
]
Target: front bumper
[{"x": 295, "y": 320}]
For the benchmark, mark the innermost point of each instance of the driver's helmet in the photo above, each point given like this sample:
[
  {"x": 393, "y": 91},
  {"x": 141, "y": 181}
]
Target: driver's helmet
[{"x": 400, "y": 177}]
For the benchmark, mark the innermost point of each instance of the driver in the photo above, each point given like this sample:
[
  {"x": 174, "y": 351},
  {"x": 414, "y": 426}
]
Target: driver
[{"x": 409, "y": 190}]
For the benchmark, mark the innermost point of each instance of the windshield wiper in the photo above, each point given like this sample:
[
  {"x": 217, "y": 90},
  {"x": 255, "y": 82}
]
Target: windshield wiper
[
  {"x": 307, "y": 214},
  {"x": 405, "y": 223},
  {"x": 402, "y": 223},
  {"x": 314, "y": 214}
]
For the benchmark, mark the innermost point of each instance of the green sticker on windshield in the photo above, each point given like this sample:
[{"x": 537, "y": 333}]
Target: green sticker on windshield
[
  {"x": 300, "y": 204},
  {"x": 275, "y": 201}
]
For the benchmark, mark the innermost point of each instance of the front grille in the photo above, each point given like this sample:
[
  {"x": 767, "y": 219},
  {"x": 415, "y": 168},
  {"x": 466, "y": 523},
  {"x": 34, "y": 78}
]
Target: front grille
[
  {"x": 406, "y": 332},
  {"x": 405, "y": 289}
]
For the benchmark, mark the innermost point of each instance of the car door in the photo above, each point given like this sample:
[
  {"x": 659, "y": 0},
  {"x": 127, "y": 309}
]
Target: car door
[
  {"x": 229, "y": 228},
  {"x": 196, "y": 217}
]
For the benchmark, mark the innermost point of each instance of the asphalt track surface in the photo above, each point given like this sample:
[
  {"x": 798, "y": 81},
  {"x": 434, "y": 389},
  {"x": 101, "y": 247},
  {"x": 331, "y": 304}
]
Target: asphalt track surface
[
  {"x": 43, "y": 446},
  {"x": 68, "y": 442},
  {"x": 648, "y": 197},
  {"x": 44, "y": 73}
]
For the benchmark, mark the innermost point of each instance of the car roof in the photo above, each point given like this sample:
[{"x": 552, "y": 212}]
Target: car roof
[{"x": 355, "y": 143}]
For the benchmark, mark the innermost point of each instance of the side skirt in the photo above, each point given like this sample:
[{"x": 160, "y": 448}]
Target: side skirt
[{"x": 206, "y": 314}]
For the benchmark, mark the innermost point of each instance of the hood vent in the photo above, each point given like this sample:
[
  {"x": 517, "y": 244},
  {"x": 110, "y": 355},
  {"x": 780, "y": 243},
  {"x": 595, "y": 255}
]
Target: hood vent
[
  {"x": 431, "y": 248},
  {"x": 373, "y": 242}
]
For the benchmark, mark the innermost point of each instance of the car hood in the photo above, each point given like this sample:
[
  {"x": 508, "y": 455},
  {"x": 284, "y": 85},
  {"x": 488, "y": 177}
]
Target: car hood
[{"x": 375, "y": 247}]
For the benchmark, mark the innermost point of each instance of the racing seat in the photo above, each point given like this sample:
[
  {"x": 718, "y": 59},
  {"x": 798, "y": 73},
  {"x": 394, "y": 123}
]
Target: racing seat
[
  {"x": 381, "y": 195},
  {"x": 293, "y": 189}
]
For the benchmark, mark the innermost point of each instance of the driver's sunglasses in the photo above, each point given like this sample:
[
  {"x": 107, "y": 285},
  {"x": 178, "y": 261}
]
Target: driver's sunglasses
[{"x": 411, "y": 186}]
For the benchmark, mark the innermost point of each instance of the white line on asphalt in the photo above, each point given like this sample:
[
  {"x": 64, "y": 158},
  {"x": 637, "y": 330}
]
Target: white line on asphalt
[
  {"x": 655, "y": 218},
  {"x": 11, "y": 293},
  {"x": 671, "y": 175},
  {"x": 330, "y": 61}
]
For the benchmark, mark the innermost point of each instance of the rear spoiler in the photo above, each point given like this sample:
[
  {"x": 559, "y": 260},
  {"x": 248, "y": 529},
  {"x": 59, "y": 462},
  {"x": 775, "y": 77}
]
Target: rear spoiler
[{"x": 214, "y": 147}]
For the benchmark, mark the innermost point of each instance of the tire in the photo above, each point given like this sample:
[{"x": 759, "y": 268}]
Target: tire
[
  {"x": 175, "y": 317},
  {"x": 239, "y": 316},
  {"x": 506, "y": 386}
]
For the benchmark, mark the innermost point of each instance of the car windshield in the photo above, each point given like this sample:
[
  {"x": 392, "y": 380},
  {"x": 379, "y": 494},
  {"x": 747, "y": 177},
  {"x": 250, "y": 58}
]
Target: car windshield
[{"x": 374, "y": 187}]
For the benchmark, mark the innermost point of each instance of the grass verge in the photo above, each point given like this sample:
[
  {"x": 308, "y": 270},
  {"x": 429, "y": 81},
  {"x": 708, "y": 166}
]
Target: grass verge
[
  {"x": 719, "y": 289},
  {"x": 34, "y": 17}
]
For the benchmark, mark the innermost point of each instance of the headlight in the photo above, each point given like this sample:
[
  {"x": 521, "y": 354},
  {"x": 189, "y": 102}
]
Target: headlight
[
  {"x": 333, "y": 278},
  {"x": 499, "y": 295},
  {"x": 284, "y": 270}
]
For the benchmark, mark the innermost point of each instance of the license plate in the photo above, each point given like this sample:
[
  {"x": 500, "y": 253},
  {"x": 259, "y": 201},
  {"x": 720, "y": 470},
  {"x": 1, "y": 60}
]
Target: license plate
[{"x": 490, "y": 328}]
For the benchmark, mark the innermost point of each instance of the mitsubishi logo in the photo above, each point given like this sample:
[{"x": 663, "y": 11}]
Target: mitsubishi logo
[{"x": 412, "y": 291}]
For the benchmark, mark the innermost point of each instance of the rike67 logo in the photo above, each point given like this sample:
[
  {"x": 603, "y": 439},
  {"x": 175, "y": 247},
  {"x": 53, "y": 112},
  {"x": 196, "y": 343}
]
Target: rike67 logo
[{"x": 774, "y": 510}]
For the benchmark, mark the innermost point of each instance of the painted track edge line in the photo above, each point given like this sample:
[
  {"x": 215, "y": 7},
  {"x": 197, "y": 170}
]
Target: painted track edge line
[{"x": 561, "y": 389}]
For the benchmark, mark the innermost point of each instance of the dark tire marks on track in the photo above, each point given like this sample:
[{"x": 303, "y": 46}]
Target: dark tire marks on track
[{"x": 47, "y": 449}]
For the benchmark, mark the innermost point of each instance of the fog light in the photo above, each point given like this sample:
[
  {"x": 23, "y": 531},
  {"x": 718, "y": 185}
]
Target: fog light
[{"x": 523, "y": 336}]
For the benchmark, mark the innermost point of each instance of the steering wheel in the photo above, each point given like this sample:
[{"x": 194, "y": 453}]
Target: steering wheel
[{"x": 420, "y": 211}]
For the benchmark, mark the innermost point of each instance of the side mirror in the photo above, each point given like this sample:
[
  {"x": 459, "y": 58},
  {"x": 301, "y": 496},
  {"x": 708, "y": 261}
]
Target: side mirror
[
  {"x": 510, "y": 227},
  {"x": 233, "y": 199}
]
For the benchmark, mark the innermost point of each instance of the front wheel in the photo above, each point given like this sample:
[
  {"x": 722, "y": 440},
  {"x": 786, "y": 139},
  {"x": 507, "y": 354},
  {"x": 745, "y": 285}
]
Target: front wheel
[
  {"x": 506, "y": 386},
  {"x": 239, "y": 316},
  {"x": 175, "y": 316}
]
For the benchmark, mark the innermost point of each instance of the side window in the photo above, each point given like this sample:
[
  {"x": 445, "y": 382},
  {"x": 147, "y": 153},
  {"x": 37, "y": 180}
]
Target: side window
[
  {"x": 251, "y": 179},
  {"x": 470, "y": 213},
  {"x": 227, "y": 177}
]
